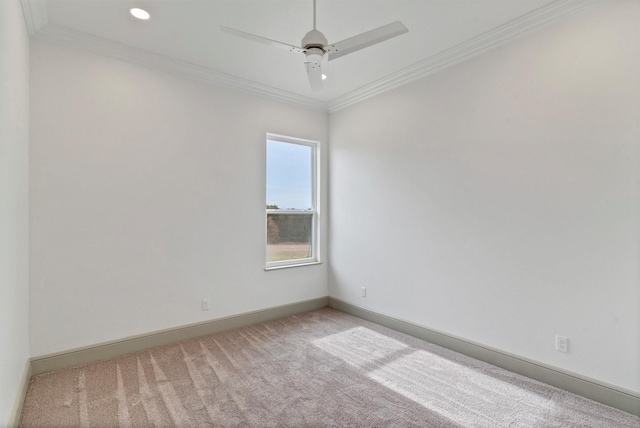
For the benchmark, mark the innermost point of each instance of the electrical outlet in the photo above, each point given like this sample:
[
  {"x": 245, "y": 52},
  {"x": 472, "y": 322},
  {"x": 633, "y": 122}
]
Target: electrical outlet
[
  {"x": 562, "y": 344},
  {"x": 364, "y": 291},
  {"x": 205, "y": 304}
]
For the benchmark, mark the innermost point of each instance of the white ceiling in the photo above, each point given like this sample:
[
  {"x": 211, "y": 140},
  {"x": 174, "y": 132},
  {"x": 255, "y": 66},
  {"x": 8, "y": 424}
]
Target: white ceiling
[{"x": 189, "y": 31}]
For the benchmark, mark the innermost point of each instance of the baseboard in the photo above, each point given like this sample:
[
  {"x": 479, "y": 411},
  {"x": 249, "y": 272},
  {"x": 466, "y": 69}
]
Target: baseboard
[
  {"x": 14, "y": 417},
  {"x": 111, "y": 349},
  {"x": 611, "y": 395},
  {"x": 628, "y": 401}
]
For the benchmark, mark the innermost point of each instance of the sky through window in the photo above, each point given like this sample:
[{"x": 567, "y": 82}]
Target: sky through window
[{"x": 289, "y": 175}]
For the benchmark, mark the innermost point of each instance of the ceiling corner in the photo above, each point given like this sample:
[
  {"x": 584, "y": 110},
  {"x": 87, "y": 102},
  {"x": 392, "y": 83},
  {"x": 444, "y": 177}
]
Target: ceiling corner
[{"x": 35, "y": 15}]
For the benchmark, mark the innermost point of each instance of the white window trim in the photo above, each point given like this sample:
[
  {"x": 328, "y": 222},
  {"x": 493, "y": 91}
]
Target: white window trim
[{"x": 315, "y": 197}]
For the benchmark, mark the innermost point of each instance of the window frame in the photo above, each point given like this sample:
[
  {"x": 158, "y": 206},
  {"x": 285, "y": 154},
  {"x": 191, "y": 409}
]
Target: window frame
[{"x": 315, "y": 201}]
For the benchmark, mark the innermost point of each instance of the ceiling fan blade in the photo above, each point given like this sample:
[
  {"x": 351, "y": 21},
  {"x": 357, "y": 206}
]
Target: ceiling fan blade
[
  {"x": 314, "y": 71},
  {"x": 281, "y": 45},
  {"x": 361, "y": 41}
]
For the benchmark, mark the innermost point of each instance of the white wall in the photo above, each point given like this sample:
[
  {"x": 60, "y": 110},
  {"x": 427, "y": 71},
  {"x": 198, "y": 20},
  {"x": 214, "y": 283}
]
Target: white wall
[
  {"x": 498, "y": 200},
  {"x": 14, "y": 200},
  {"x": 147, "y": 195}
]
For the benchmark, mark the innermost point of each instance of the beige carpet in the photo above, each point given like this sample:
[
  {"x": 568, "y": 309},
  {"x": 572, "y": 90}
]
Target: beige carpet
[{"x": 322, "y": 368}]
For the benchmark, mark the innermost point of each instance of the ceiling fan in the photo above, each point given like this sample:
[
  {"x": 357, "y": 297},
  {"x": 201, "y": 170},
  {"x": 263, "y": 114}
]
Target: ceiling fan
[{"x": 315, "y": 45}]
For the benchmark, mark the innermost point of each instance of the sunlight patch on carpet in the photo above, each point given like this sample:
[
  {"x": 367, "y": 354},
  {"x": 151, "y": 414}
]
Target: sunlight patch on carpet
[
  {"x": 436, "y": 383},
  {"x": 450, "y": 388},
  {"x": 359, "y": 346}
]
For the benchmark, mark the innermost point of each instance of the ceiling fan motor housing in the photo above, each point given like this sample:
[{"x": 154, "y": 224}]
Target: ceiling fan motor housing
[{"x": 314, "y": 39}]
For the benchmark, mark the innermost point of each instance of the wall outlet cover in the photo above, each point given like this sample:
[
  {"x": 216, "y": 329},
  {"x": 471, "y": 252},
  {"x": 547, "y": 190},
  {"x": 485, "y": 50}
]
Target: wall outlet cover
[{"x": 562, "y": 344}]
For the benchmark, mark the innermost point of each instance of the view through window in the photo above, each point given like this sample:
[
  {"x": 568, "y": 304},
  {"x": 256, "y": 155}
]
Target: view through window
[{"x": 291, "y": 201}]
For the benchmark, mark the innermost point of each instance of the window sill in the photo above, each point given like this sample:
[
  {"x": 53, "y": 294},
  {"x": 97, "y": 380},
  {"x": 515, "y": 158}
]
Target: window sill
[{"x": 268, "y": 268}]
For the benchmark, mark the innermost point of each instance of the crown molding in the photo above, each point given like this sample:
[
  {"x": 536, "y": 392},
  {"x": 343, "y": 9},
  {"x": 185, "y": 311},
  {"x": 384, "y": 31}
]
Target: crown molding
[
  {"x": 140, "y": 56},
  {"x": 551, "y": 13},
  {"x": 556, "y": 11},
  {"x": 35, "y": 15}
]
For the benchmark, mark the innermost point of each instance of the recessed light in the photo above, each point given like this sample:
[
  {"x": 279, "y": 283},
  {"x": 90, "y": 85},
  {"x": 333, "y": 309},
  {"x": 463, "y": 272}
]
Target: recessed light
[
  {"x": 324, "y": 76},
  {"x": 139, "y": 13}
]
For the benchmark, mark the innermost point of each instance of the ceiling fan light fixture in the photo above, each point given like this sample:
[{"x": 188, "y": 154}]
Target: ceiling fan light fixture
[
  {"x": 139, "y": 13},
  {"x": 314, "y": 55}
]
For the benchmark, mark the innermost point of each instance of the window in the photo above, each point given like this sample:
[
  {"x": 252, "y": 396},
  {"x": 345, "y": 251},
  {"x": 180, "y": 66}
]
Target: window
[{"x": 292, "y": 202}]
